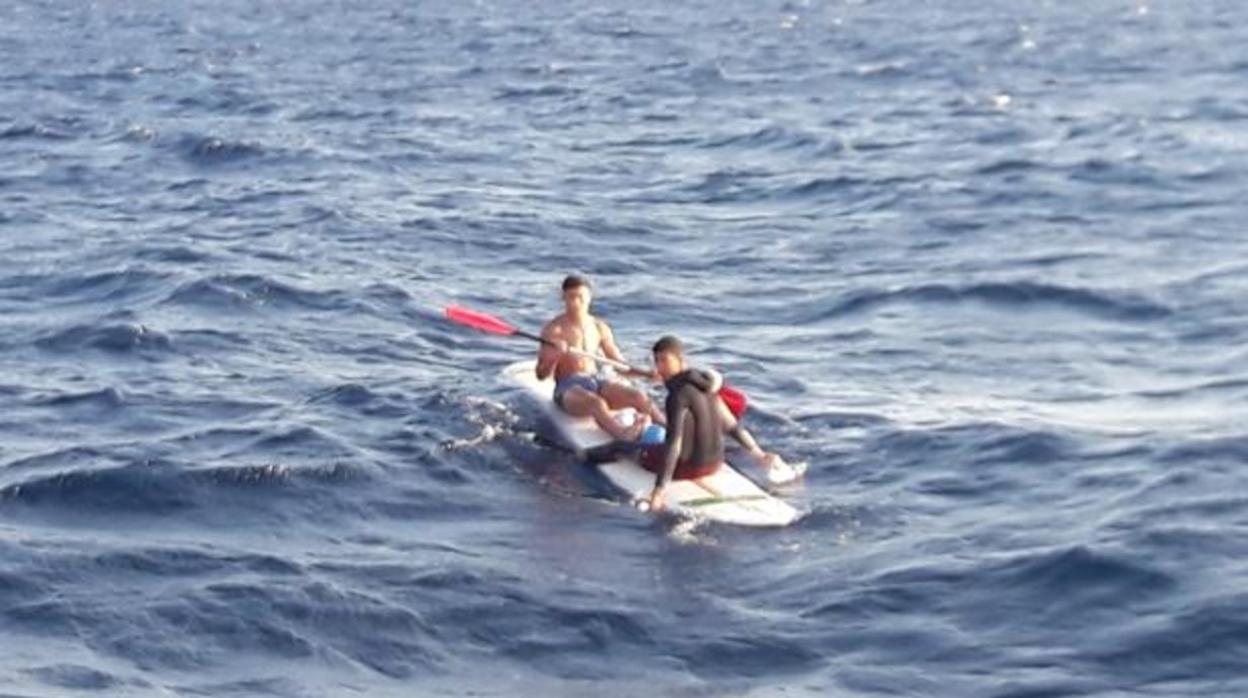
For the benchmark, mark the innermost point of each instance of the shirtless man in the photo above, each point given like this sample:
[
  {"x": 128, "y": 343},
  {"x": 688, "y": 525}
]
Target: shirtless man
[{"x": 578, "y": 391}]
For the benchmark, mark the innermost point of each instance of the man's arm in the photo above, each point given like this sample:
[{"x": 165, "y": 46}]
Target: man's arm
[
  {"x": 671, "y": 450},
  {"x": 676, "y": 415},
  {"x": 547, "y": 355},
  {"x": 611, "y": 351}
]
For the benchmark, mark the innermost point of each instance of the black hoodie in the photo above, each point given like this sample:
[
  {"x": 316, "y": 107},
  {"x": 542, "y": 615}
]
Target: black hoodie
[{"x": 694, "y": 430}]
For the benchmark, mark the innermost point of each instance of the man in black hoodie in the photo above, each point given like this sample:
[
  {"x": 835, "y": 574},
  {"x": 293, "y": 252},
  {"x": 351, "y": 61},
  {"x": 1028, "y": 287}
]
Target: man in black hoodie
[
  {"x": 697, "y": 420},
  {"x": 694, "y": 446}
]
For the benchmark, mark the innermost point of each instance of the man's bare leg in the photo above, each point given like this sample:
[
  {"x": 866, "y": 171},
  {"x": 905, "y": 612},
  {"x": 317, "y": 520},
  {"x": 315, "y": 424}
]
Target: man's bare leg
[
  {"x": 619, "y": 396},
  {"x": 771, "y": 463},
  {"x": 579, "y": 402}
]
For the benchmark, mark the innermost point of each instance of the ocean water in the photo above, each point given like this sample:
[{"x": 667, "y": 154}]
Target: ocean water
[{"x": 982, "y": 264}]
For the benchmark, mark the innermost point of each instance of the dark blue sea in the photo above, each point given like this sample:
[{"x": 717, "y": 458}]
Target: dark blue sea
[{"x": 982, "y": 264}]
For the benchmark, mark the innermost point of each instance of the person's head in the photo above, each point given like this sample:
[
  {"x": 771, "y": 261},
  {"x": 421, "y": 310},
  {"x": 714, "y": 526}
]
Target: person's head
[
  {"x": 577, "y": 294},
  {"x": 669, "y": 356}
]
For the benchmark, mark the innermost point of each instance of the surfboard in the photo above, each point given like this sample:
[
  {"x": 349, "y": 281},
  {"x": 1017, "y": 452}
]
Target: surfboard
[{"x": 726, "y": 496}]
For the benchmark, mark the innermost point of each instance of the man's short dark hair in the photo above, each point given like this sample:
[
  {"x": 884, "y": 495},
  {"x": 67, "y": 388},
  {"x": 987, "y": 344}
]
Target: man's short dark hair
[
  {"x": 572, "y": 281},
  {"x": 669, "y": 344}
]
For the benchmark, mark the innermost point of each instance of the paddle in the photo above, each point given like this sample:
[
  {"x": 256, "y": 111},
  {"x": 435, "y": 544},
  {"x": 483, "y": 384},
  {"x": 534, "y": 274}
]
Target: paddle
[{"x": 734, "y": 399}]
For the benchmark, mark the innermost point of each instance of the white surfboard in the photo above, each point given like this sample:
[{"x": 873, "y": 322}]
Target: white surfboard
[{"x": 725, "y": 496}]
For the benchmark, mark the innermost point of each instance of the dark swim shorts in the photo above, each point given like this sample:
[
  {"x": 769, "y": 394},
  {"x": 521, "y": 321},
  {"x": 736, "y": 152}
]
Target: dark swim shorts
[{"x": 576, "y": 380}]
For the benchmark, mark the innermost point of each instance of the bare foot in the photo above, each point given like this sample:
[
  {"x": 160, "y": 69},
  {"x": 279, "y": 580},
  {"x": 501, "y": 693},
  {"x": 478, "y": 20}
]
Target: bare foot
[{"x": 779, "y": 472}]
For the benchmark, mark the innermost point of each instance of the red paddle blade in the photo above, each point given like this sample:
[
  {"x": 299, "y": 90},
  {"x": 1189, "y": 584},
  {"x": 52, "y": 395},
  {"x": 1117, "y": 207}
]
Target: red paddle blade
[
  {"x": 479, "y": 321},
  {"x": 734, "y": 400}
]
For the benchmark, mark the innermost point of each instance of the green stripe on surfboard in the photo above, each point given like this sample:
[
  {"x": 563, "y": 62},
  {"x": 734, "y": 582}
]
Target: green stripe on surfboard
[{"x": 711, "y": 501}]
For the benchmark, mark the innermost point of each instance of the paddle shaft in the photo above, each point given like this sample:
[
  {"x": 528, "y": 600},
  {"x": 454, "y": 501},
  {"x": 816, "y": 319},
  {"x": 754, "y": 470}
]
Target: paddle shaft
[{"x": 589, "y": 355}]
